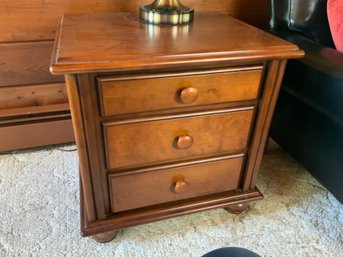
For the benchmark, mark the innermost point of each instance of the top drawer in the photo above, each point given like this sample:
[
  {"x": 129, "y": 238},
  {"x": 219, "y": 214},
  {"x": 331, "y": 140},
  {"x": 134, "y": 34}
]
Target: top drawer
[{"x": 132, "y": 94}]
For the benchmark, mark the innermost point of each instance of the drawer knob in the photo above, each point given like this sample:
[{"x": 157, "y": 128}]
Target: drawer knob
[
  {"x": 189, "y": 95},
  {"x": 184, "y": 142},
  {"x": 180, "y": 187}
]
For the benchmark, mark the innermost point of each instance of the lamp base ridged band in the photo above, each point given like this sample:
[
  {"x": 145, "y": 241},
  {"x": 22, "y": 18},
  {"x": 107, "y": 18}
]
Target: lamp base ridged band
[{"x": 151, "y": 15}]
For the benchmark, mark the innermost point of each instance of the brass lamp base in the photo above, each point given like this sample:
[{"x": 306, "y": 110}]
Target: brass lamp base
[{"x": 167, "y": 12}]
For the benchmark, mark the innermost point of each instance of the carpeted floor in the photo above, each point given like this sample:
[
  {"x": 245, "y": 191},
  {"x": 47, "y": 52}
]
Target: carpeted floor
[{"x": 40, "y": 215}]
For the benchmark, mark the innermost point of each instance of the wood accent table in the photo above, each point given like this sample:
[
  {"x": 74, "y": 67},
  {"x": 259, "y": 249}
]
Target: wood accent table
[{"x": 168, "y": 120}]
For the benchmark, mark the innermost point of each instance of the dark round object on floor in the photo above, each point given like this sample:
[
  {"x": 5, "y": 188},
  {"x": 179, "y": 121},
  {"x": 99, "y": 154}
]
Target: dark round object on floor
[{"x": 231, "y": 252}]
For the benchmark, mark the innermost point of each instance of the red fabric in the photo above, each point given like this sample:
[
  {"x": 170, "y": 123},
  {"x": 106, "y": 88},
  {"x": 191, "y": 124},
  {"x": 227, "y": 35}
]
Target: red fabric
[{"x": 335, "y": 16}]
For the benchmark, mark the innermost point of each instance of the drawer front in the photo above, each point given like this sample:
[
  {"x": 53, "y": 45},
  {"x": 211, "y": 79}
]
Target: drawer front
[
  {"x": 137, "y": 190},
  {"x": 138, "y": 94},
  {"x": 148, "y": 142}
]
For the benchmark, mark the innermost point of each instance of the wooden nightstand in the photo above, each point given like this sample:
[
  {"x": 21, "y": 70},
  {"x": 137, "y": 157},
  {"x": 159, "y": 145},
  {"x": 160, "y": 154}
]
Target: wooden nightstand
[{"x": 168, "y": 120}]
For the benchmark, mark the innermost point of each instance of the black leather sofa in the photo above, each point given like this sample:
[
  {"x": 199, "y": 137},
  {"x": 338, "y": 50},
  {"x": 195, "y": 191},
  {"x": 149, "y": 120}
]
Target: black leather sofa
[{"x": 308, "y": 119}]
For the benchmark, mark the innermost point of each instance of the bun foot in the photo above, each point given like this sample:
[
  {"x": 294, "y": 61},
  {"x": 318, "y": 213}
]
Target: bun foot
[
  {"x": 105, "y": 237},
  {"x": 237, "y": 208}
]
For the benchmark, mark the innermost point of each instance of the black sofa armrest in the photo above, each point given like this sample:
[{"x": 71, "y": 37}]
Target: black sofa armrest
[
  {"x": 279, "y": 14},
  {"x": 308, "y": 118},
  {"x": 317, "y": 56},
  {"x": 303, "y": 17}
]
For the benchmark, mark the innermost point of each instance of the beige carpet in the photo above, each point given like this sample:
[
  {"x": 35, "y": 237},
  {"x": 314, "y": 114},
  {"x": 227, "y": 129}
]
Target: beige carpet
[{"x": 39, "y": 215}]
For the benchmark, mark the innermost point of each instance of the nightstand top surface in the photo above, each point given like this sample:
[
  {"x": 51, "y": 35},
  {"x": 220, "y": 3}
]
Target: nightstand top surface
[{"x": 119, "y": 41}]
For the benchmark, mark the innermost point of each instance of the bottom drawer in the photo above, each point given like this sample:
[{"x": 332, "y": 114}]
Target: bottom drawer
[{"x": 140, "y": 189}]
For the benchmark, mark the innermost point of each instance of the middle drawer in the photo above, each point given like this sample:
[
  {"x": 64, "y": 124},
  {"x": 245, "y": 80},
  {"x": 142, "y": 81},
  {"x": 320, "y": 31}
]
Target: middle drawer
[{"x": 161, "y": 139}]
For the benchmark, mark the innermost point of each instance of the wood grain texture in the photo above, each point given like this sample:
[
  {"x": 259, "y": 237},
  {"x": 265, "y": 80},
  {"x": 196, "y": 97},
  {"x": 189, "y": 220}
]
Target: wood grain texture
[
  {"x": 93, "y": 133},
  {"x": 132, "y": 94},
  {"x": 16, "y": 136},
  {"x": 31, "y": 112},
  {"x": 95, "y": 42},
  {"x": 22, "y": 66},
  {"x": 33, "y": 95},
  {"x": 27, "y": 28},
  {"x": 31, "y": 20},
  {"x": 148, "y": 142},
  {"x": 26, "y": 63},
  {"x": 142, "y": 158},
  {"x": 160, "y": 212},
  {"x": 273, "y": 77},
  {"x": 159, "y": 186},
  {"x": 85, "y": 173},
  {"x": 272, "y": 104}
]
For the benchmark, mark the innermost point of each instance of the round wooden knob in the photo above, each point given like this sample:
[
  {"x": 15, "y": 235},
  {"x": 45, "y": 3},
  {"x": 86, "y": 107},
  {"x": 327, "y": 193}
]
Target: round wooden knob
[
  {"x": 189, "y": 95},
  {"x": 180, "y": 187},
  {"x": 184, "y": 142}
]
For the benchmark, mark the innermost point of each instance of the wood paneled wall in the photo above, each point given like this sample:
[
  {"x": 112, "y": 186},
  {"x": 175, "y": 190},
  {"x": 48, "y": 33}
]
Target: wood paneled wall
[
  {"x": 27, "y": 30},
  {"x": 31, "y": 20}
]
